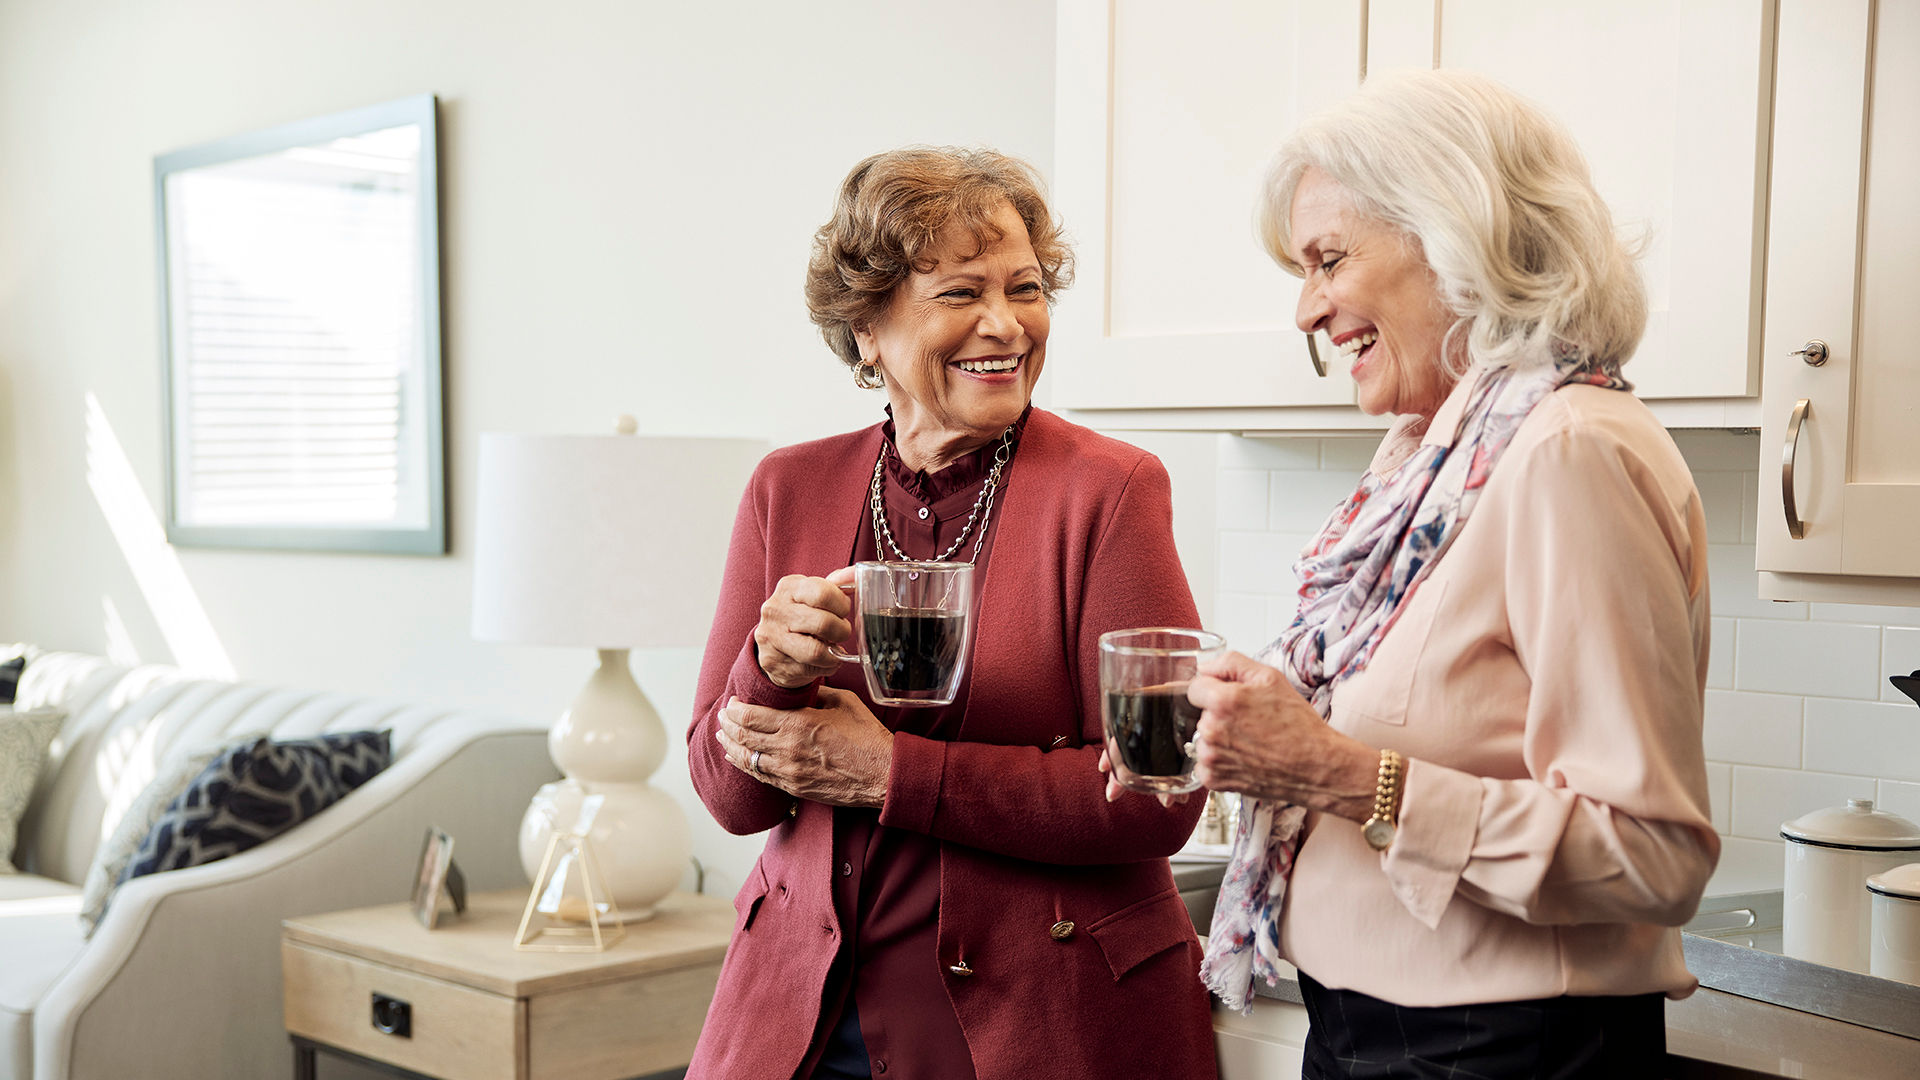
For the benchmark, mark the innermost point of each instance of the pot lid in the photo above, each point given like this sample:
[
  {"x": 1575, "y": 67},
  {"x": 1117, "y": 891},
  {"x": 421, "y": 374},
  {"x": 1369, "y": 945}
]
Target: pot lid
[
  {"x": 1902, "y": 881},
  {"x": 1855, "y": 825}
]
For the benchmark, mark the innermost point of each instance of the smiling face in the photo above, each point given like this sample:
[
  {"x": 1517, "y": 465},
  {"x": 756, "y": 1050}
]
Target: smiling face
[
  {"x": 1370, "y": 290},
  {"x": 962, "y": 343}
]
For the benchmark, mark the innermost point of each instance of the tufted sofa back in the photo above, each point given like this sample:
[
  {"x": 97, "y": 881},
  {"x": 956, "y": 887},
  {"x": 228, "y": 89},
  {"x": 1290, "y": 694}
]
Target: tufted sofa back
[{"x": 122, "y": 722}]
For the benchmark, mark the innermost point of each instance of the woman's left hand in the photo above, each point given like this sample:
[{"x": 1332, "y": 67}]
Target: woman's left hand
[
  {"x": 836, "y": 752},
  {"x": 1258, "y": 736}
]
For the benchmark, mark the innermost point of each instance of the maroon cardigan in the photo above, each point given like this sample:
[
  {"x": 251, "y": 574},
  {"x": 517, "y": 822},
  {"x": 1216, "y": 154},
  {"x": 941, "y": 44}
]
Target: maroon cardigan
[{"x": 1083, "y": 545}]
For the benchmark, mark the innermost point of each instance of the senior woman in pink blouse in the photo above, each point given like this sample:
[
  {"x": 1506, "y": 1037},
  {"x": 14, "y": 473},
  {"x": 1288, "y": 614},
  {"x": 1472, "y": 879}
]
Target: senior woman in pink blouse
[{"x": 1476, "y": 805}]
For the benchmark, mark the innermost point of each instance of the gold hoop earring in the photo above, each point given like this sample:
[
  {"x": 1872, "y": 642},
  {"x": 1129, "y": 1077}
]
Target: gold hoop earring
[{"x": 866, "y": 375}]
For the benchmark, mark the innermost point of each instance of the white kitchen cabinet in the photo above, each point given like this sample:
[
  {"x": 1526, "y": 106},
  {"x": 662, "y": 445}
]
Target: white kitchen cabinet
[
  {"x": 1167, "y": 115},
  {"x": 1670, "y": 102},
  {"x": 1266, "y": 1044},
  {"x": 1840, "y": 441}
]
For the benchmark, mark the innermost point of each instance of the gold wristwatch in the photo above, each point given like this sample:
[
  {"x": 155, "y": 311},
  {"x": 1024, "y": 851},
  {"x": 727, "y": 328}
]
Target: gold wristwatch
[{"x": 1379, "y": 828}]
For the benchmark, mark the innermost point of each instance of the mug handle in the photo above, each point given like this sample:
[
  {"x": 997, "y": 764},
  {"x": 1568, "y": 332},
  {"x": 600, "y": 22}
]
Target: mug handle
[{"x": 835, "y": 651}]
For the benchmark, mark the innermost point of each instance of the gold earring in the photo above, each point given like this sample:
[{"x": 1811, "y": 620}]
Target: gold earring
[{"x": 866, "y": 375}]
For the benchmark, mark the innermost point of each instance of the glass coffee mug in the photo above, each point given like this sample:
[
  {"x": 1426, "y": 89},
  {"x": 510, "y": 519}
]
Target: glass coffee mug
[
  {"x": 1149, "y": 721},
  {"x": 912, "y": 629}
]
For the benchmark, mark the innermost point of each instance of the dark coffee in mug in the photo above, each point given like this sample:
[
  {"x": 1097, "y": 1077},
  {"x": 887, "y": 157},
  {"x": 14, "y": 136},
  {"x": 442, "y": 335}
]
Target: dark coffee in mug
[
  {"x": 1150, "y": 728},
  {"x": 912, "y": 650}
]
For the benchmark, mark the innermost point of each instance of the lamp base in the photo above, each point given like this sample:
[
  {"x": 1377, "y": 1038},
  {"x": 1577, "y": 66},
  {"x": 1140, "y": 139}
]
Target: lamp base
[
  {"x": 639, "y": 835},
  {"x": 607, "y": 743}
]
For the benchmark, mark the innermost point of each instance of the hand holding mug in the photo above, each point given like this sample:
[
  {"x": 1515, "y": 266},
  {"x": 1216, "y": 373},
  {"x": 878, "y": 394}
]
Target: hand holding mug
[{"x": 799, "y": 623}]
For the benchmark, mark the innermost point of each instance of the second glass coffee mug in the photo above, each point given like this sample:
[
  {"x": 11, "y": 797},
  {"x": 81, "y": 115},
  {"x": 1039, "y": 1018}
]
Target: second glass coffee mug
[
  {"x": 1143, "y": 691},
  {"x": 912, "y": 629}
]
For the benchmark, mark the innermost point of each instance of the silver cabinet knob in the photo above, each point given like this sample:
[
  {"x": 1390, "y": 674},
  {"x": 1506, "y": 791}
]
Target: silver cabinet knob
[{"x": 1814, "y": 352}]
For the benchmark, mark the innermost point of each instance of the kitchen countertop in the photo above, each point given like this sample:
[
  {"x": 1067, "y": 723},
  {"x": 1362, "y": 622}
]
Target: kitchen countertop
[{"x": 1713, "y": 1034}]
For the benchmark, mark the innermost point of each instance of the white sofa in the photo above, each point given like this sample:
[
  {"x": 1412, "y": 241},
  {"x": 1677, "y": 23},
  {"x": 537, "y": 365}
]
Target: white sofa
[{"x": 182, "y": 978}]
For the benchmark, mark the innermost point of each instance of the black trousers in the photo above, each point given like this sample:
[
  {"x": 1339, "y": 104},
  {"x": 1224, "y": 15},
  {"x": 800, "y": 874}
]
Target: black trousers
[{"x": 1356, "y": 1037}]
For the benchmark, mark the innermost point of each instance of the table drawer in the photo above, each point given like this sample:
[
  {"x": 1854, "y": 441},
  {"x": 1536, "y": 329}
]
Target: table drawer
[
  {"x": 619, "y": 1029},
  {"x": 457, "y": 1033}
]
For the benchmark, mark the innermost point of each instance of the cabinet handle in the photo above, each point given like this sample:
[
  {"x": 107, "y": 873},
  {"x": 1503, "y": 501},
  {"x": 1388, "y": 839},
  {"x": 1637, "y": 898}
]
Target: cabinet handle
[
  {"x": 1813, "y": 352},
  {"x": 1313, "y": 352},
  {"x": 1795, "y": 527}
]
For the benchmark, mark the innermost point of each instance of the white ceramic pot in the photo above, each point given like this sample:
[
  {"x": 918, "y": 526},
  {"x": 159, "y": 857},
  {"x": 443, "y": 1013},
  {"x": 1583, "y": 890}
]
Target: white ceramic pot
[
  {"x": 1830, "y": 855},
  {"x": 1896, "y": 923}
]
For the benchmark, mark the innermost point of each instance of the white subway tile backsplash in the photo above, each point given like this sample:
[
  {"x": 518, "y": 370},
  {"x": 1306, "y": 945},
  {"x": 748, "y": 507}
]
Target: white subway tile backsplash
[
  {"x": 1348, "y": 454},
  {"x": 1239, "y": 617},
  {"x": 1873, "y": 738},
  {"x": 1764, "y": 798},
  {"x": 1259, "y": 562},
  {"x": 1721, "y": 500},
  {"x": 1750, "y": 509},
  {"x": 1238, "y": 452},
  {"x": 1301, "y": 502},
  {"x": 1865, "y": 613},
  {"x": 1720, "y": 795},
  {"x": 1753, "y": 729},
  {"x": 1720, "y": 654},
  {"x": 1814, "y": 659},
  {"x": 1734, "y": 586},
  {"x": 1900, "y": 798},
  {"x": 1240, "y": 499},
  {"x": 1718, "y": 451},
  {"x": 1900, "y": 655},
  {"x": 1748, "y": 866}
]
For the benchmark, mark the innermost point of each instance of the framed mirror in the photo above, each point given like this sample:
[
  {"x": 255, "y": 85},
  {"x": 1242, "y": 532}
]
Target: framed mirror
[{"x": 299, "y": 272}]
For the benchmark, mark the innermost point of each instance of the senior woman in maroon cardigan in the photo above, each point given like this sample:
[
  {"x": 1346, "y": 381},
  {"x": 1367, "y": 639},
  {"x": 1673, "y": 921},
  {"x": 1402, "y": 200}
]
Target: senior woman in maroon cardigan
[{"x": 945, "y": 892}]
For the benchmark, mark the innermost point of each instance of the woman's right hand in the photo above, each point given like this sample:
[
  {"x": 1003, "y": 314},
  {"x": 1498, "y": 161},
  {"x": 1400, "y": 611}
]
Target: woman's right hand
[{"x": 797, "y": 623}]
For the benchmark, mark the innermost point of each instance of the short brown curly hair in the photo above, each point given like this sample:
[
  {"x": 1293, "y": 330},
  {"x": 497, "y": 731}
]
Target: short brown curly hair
[{"x": 891, "y": 208}]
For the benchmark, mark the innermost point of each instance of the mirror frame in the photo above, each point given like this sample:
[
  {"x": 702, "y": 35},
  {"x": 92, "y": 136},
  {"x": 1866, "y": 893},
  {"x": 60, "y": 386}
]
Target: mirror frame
[{"x": 428, "y": 359}]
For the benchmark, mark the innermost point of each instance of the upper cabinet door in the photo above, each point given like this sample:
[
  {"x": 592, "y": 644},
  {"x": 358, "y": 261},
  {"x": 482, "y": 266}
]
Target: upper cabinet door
[
  {"x": 1167, "y": 115},
  {"x": 1670, "y": 101},
  {"x": 1840, "y": 469}
]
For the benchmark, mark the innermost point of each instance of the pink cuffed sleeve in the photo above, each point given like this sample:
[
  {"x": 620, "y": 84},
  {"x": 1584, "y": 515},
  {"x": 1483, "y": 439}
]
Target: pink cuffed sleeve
[{"x": 1606, "y": 607}]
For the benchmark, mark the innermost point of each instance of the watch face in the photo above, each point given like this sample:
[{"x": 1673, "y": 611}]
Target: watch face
[{"x": 1378, "y": 833}]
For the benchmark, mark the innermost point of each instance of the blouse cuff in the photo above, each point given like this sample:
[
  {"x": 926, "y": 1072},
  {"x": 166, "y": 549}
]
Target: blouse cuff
[
  {"x": 751, "y": 685},
  {"x": 1439, "y": 818},
  {"x": 913, "y": 783}
]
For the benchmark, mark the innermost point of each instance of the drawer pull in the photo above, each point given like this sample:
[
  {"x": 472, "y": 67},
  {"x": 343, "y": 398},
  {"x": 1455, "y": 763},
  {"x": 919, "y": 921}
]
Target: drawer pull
[
  {"x": 1313, "y": 353},
  {"x": 1795, "y": 527},
  {"x": 391, "y": 1016}
]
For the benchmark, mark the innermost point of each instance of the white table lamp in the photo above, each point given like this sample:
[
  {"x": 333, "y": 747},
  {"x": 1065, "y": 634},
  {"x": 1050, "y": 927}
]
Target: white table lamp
[{"x": 610, "y": 542}]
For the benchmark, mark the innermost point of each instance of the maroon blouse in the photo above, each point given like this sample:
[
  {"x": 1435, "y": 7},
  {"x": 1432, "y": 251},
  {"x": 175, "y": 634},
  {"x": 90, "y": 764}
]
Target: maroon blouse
[{"x": 887, "y": 883}]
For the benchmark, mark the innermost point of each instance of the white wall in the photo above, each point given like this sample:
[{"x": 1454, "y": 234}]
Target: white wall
[
  {"x": 630, "y": 189},
  {"x": 1799, "y": 713}
]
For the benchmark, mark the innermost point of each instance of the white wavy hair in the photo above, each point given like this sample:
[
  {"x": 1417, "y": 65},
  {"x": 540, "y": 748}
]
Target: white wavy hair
[{"x": 1498, "y": 200}]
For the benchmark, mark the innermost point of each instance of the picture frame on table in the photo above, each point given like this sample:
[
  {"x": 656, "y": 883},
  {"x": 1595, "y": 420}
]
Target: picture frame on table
[{"x": 437, "y": 879}]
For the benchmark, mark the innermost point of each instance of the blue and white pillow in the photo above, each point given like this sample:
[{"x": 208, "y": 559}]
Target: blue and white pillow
[{"x": 255, "y": 792}]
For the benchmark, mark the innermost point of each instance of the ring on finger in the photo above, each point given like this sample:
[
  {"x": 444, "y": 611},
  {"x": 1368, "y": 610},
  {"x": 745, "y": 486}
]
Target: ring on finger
[{"x": 753, "y": 763}]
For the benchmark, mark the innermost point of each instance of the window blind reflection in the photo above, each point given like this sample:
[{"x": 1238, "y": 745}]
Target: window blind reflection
[{"x": 294, "y": 288}]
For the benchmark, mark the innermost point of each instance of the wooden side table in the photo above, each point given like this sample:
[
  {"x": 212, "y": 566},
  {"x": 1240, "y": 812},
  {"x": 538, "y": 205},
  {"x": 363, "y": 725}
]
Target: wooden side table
[{"x": 461, "y": 1003}]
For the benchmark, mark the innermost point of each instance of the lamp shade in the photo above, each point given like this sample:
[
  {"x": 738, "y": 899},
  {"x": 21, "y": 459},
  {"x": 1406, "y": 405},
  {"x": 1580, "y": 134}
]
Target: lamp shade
[{"x": 603, "y": 541}]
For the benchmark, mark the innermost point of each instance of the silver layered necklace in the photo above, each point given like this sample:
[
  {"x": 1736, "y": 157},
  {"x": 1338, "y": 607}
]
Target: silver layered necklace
[{"x": 982, "y": 506}]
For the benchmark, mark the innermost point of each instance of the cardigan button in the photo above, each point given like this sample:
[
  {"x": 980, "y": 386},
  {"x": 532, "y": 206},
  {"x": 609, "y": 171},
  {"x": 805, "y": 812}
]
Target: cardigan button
[
  {"x": 923, "y": 513},
  {"x": 1061, "y": 930},
  {"x": 961, "y": 969}
]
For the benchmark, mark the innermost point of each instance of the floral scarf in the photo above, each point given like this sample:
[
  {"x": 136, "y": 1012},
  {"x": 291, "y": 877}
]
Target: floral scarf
[{"x": 1355, "y": 578}]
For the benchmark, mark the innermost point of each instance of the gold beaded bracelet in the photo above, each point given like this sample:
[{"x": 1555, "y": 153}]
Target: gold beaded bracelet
[{"x": 1380, "y": 828}]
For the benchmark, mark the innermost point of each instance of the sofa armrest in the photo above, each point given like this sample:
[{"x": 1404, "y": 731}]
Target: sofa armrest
[{"x": 183, "y": 976}]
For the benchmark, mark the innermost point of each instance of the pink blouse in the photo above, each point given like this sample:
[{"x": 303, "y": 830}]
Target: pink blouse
[{"x": 1545, "y": 684}]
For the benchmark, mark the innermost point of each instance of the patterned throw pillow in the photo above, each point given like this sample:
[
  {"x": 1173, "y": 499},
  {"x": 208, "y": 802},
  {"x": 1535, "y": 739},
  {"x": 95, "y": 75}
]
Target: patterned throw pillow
[
  {"x": 111, "y": 858},
  {"x": 24, "y": 738},
  {"x": 254, "y": 793}
]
